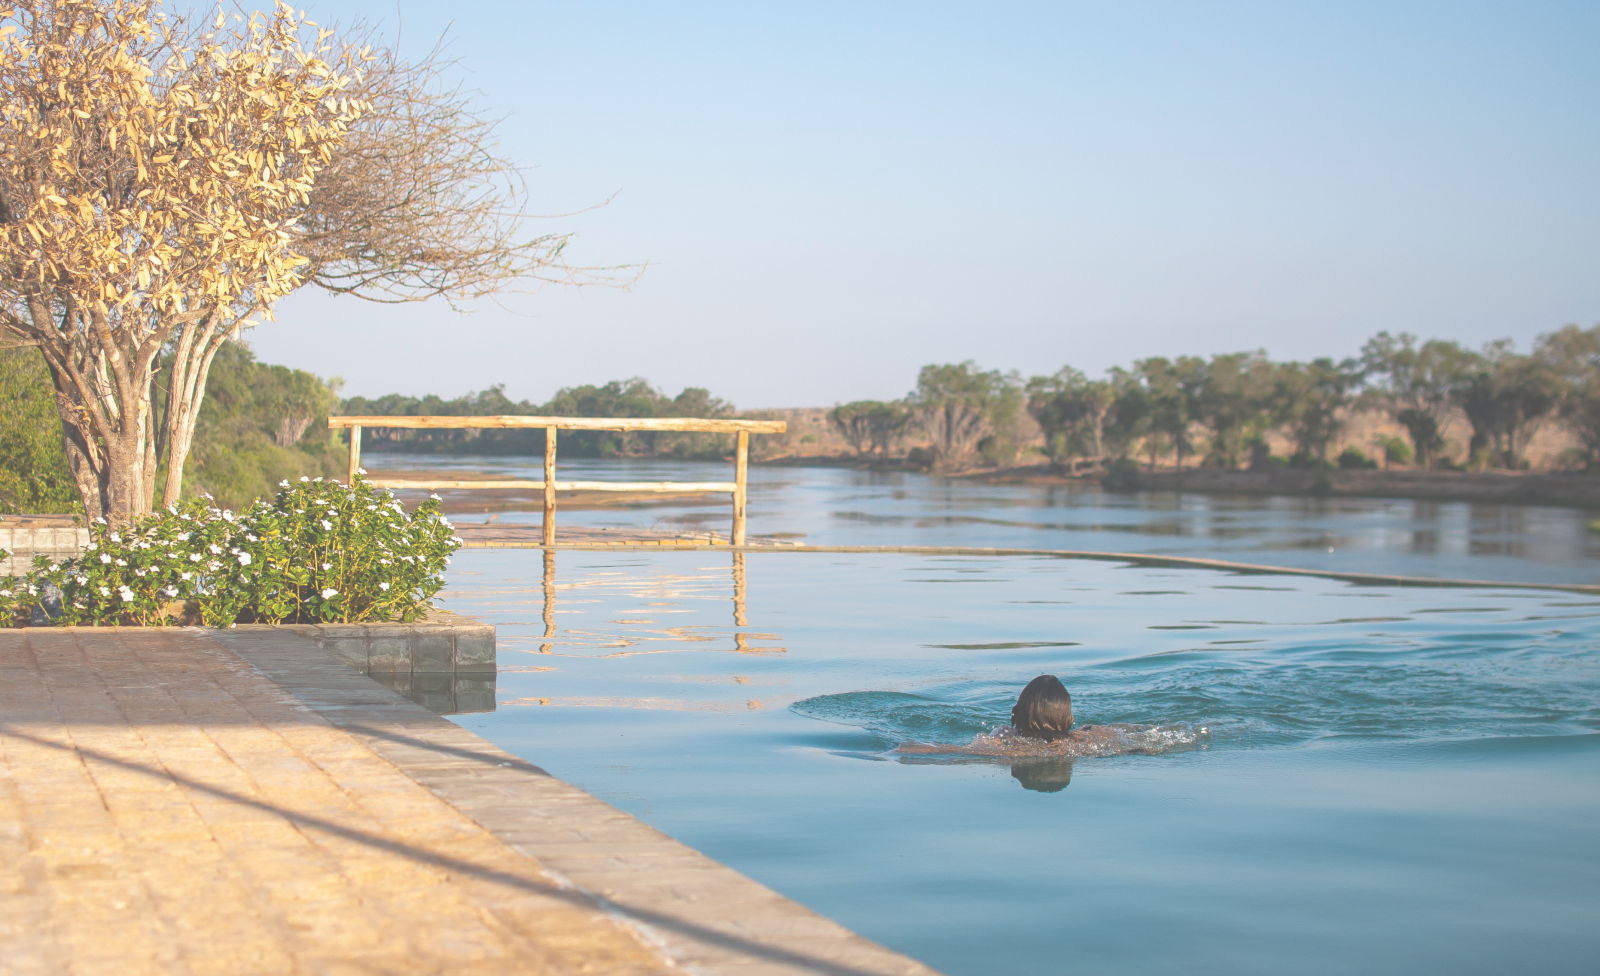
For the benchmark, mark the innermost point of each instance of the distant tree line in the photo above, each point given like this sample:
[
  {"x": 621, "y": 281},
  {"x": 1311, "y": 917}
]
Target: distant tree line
[
  {"x": 618, "y": 398},
  {"x": 1221, "y": 409}
]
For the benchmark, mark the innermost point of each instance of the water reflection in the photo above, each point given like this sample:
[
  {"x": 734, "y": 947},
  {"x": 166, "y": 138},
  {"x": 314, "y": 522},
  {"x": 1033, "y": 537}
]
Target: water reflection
[
  {"x": 675, "y": 588},
  {"x": 442, "y": 694},
  {"x": 1043, "y": 775}
]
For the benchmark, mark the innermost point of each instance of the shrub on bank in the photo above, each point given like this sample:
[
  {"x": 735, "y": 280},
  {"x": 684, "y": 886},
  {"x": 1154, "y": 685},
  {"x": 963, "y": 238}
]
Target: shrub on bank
[
  {"x": 1353, "y": 459},
  {"x": 318, "y": 552}
]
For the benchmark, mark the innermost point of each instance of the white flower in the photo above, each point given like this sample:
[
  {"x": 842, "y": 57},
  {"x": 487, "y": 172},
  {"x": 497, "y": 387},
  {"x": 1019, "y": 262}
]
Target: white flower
[
  {"x": 171, "y": 591},
  {"x": 251, "y": 536},
  {"x": 304, "y": 478},
  {"x": 244, "y": 559},
  {"x": 140, "y": 572},
  {"x": 361, "y": 471},
  {"x": 214, "y": 549},
  {"x": 329, "y": 594},
  {"x": 105, "y": 557},
  {"x": 104, "y": 591},
  {"x": 186, "y": 576},
  {"x": 383, "y": 586},
  {"x": 435, "y": 496},
  {"x": 5, "y": 592},
  {"x": 80, "y": 580},
  {"x": 326, "y": 525},
  {"x": 213, "y": 565},
  {"x": 122, "y": 562},
  {"x": 284, "y": 483},
  {"x": 326, "y": 567},
  {"x": 125, "y": 593},
  {"x": 194, "y": 557},
  {"x": 115, "y": 538},
  {"x": 317, "y": 480}
]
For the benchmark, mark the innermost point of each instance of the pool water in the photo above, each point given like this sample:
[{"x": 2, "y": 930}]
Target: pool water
[{"x": 1391, "y": 780}]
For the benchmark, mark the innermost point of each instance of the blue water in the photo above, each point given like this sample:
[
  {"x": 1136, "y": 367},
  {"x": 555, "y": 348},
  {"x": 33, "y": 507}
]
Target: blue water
[
  {"x": 1390, "y": 780},
  {"x": 841, "y": 506}
]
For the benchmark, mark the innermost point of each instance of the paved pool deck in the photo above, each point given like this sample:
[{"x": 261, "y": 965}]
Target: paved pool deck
[{"x": 186, "y": 801}]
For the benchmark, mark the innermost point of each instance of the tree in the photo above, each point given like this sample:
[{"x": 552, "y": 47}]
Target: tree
[
  {"x": 1072, "y": 411},
  {"x": 161, "y": 187},
  {"x": 1310, "y": 398},
  {"x": 258, "y": 425},
  {"x": 1130, "y": 412},
  {"x": 147, "y": 181},
  {"x": 870, "y": 425},
  {"x": 33, "y": 461},
  {"x": 1417, "y": 384},
  {"x": 1573, "y": 356},
  {"x": 1234, "y": 395},
  {"x": 1172, "y": 390},
  {"x": 958, "y": 406},
  {"x": 1506, "y": 397}
]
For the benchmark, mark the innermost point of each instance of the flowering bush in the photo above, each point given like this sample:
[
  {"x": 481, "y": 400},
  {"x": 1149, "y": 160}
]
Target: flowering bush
[{"x": 317, "y": 552}]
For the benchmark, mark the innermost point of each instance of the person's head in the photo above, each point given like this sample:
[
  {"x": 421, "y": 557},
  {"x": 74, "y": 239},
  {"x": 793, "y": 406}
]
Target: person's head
[{"x": 1044, "y": 709}]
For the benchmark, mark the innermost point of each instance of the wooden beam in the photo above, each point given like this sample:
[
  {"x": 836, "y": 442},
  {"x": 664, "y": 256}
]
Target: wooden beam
[
  {"x": 637, "y": 487},
  {"x": 696, "y": 424}
]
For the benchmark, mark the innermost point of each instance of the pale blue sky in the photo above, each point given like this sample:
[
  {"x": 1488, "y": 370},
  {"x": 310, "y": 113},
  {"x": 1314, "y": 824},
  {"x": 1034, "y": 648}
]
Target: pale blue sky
[{"x": 830, "y": 195}]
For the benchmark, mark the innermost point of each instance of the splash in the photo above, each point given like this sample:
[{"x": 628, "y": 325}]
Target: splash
[{"x": 1084, "y": 742}]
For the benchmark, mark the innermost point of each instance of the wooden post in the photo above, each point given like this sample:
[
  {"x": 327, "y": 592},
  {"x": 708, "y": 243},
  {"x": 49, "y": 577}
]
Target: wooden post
[
  {"x": 549, "y": 486},
  {"x": 355, "y": 453},
  {"x": 741, "y": 473}
]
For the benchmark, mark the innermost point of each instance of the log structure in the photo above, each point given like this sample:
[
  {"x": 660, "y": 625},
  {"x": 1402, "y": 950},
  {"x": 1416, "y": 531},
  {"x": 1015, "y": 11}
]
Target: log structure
[{"x": 550, "y": 486}]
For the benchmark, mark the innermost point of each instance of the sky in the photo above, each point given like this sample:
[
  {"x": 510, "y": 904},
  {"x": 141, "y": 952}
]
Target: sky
[{"x": 827, "y": 196}]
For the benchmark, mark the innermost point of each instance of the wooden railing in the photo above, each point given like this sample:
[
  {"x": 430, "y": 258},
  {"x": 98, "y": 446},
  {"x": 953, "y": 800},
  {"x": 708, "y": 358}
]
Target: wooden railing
[{"x": 741, "y": 457}]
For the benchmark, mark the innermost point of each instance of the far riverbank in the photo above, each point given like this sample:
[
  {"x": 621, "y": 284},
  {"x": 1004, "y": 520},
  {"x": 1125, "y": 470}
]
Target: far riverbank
[{"x": 1573, "y": 489}]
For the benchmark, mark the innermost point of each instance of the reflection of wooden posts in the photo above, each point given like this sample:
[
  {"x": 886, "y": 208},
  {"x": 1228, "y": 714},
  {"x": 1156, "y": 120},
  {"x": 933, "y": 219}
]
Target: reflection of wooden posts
[
  {"x": 741, "y": 475},
  {"x": 355, "y": 452},
  {"x": 549, "y": 598},
  {"x": 739, "y": 487},
  {"x": 549, "y": 486},
  {"x": 740, "y": 618}
]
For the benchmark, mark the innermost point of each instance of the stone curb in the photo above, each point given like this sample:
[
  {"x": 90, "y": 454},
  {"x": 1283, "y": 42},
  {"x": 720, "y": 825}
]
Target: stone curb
[
  {"x": 441, "y": 644},
  {"x": 444, "y": 663}
]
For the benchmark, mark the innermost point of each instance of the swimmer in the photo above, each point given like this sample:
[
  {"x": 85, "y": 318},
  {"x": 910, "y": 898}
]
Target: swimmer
[
  {"x": 1041, "y": 728},
  {"x": 1044, "y": 711}
]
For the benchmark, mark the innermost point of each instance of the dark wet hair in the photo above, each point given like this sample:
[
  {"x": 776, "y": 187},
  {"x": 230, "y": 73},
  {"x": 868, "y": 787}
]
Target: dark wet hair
[{"x": 1043, "y": 710}]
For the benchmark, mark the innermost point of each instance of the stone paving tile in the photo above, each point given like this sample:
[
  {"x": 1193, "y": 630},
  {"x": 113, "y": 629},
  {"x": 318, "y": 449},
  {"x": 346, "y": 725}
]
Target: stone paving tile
[
  {"x": 239, "y": 802},
  {"x": 164, "y": 808}
]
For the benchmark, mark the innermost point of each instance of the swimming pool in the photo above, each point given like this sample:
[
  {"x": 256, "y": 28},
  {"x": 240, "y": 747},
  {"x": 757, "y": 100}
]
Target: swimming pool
[{"x": 1393, "y": 780}]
